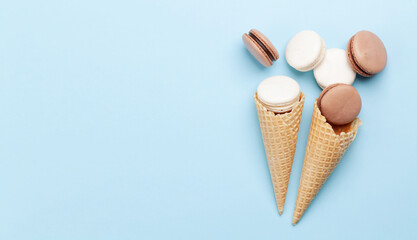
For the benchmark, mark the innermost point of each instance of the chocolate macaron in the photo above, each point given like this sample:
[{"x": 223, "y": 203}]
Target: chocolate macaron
[
  {"x": 339, "y": 103},
  {"x": 260, "y": 47},
  {"x": 366, "y": 53}
]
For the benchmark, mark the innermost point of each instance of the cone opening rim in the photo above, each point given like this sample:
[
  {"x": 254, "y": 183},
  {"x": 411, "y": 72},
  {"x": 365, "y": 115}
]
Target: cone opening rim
[
  {"x": 352, "y": 126},
  {"x": 302, "y": 98}
]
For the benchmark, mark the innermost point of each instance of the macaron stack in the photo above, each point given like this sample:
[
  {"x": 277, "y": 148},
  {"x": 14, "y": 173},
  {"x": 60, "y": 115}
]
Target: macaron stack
[{"x": 334, "y": 124}]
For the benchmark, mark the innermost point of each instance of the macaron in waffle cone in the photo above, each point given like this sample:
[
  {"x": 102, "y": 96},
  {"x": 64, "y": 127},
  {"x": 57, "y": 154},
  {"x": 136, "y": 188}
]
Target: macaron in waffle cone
[
  {"x": 325, "y": 147},
  {"x": 279, "y": 133}
]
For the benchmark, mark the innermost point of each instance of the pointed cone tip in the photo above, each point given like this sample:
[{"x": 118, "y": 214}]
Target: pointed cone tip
[{"x": 295, "y": 221}]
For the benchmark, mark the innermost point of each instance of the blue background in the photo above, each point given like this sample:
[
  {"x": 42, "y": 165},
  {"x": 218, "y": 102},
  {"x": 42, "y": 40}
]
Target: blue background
[{"x": 136, "y": 120}]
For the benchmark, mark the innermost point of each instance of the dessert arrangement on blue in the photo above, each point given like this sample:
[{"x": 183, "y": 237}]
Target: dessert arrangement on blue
[{"x": 335, "y": 123}]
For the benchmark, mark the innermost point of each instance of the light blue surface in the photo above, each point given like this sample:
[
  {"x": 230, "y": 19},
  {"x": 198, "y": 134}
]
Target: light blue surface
[{"x": 135, "y": 120}]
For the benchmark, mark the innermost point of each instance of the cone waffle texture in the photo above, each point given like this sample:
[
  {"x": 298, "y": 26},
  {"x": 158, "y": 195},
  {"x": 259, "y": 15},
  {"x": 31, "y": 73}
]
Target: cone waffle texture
[
  {"x": 324, "y": 150},
  {"x": 279, "y": 133}
]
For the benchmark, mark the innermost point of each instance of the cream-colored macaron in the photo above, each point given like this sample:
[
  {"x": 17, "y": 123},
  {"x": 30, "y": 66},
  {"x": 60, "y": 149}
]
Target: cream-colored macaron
[
  {"x": 305, "y": 50},
  {"x": 334, "y": 68},
  {"x": 279, "y": 93}
]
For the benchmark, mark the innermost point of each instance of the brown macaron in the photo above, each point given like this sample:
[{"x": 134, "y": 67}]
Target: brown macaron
[
  {"x": 260, "y": 47},
  {"x": 366, "y": 53},
  {"x": 339, "y": 103}
]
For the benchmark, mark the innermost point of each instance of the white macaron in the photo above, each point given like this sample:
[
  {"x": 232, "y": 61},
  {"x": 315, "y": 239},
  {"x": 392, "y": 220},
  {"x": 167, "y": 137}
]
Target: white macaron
[
  {"x": 305, "y": 50},
  {"x": 334, "y": 68},
  {"x": 279, "y": 93}
]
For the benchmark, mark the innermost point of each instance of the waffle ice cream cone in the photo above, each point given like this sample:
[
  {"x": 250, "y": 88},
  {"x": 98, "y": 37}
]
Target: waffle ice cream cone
[
  {"x": 325, "y": 147},
  {"x": 279, "y": 133}
]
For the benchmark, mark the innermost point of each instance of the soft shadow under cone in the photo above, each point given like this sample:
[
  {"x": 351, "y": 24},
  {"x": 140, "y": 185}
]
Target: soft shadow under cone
[
  {"x": 279, "y": 133},
  {"x": 324, "y": 150}
]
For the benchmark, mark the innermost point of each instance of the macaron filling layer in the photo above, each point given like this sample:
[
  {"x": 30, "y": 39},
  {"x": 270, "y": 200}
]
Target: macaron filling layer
[
  {"x": 264, "y": 48},
  {"x": 280, "y": 108}
]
